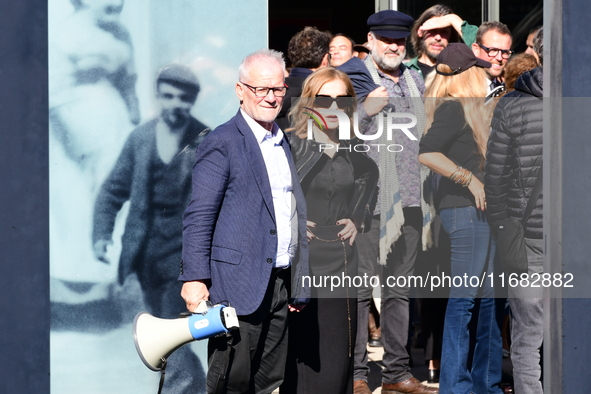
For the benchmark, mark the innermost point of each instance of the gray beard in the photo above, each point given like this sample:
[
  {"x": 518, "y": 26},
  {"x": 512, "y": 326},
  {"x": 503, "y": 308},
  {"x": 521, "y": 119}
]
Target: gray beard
[{"x": 387, "y": 64}]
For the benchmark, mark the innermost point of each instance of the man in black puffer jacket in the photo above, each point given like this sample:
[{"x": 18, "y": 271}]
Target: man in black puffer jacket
[{"x": 513, "y": 162}]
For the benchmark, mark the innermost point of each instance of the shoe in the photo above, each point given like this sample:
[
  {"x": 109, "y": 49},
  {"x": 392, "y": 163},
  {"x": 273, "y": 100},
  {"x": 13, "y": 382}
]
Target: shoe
[
  {"x": 507, "y": 388},
  {"x": 433, "y": 376},
  {"x": 374, "y": 333},
  {"x": 361, "y": 387},
  {"x": 375, "y": 337},
  {"x": 409, "y": 386}
]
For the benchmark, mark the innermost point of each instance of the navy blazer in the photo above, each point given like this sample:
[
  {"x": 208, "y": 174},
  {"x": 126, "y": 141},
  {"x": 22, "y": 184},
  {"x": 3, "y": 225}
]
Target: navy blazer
[{"x": 229, "y": 235}]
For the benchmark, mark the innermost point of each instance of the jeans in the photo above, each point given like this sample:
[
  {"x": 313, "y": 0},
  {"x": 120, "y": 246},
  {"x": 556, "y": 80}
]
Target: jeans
[
  {"x": 472, "y": 254},
  {"x": 527, "y": 325}
]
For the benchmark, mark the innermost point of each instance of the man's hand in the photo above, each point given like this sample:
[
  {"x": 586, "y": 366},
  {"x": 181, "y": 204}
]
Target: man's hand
[
  {"x": 441, "y": 22},
  {"x": 296, "y": 308},
  {"x": 193, "y": 293},
  {"x": 376, "y": 101},
  {"x": 100, "y": 250}
]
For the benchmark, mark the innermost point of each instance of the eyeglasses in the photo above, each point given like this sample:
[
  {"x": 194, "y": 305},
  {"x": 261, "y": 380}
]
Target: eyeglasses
[
  {"x": 260, "y": 91},
  {"x": 325, "y": 101},
  {"x": 399, "y": 100},
  {"x": 493, "y": 52}
]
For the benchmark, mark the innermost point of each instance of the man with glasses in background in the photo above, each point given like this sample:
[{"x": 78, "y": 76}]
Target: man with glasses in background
[
  {"x": 242, "y": 230},
  {"x": 493, "y": 44}
]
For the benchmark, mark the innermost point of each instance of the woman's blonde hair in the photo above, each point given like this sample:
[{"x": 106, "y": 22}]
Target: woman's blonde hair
[
  {"x": 312, "y": 85},
  {"x": 469, "y": 88}
]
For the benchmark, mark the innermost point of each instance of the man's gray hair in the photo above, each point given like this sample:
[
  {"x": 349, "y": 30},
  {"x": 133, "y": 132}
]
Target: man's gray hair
[
  {"x": 268, "y": 55},
  {"x": 538, "y": 41}
]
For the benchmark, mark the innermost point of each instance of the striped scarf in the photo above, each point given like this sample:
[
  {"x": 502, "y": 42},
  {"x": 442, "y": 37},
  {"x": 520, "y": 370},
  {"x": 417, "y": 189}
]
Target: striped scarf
[{"x": 391, "y": 215}]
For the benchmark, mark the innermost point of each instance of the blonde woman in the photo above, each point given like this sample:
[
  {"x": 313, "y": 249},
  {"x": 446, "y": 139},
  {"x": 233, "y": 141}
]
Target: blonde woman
[
  {"x": 458, "y": 124},
  {"x": 339, "y": 184}
]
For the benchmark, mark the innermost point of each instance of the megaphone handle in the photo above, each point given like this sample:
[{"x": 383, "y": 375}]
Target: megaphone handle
[
  {"x": 203, "y": 306},
  {"x": 162, "y": 373}
]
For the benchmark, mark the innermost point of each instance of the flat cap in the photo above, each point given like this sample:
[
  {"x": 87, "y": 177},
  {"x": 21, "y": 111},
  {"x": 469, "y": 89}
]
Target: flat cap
[
  {"x": 390, "y": 24},
  {"x": 178, "y": 73}
]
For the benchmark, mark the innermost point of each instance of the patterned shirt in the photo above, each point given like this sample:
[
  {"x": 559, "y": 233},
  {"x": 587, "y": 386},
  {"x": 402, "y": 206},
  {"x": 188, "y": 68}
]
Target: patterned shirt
[{"x": 407, "y": 161}]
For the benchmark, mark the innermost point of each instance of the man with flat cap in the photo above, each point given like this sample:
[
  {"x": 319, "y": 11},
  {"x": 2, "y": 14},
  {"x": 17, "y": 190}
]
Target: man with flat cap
[
  {"x": 153, "y": 173},
  {"x": 403, "y": 211}
]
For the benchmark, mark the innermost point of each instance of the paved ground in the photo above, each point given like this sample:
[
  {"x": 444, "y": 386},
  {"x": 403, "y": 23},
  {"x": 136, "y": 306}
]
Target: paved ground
[
  {"x": 375, "y": 366},
  {"x": 419, "y": 369}
]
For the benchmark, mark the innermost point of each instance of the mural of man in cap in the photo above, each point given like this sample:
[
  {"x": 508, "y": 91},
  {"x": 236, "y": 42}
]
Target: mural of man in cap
[
  {"x": 403, "y": 211},
  {"x": 153, "y": 173}
]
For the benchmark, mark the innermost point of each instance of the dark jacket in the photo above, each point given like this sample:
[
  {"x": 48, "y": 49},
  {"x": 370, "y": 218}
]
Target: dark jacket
[
  {"x": 514, "y": 155},
  {"x": 360, "y": 77},
  {"x": 295, "y": 82},
  {"x": 306, "y": 154},
  {"x": 130, "y": 181}
]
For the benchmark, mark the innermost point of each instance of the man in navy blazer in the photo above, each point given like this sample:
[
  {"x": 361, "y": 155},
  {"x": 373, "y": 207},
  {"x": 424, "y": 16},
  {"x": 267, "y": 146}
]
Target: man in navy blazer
[{"x": 244, "y": 230}]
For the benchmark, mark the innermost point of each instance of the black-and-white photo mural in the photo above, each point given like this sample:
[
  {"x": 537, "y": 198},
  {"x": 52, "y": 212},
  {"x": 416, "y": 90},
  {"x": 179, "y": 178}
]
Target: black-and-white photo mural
[{"x": 134, "y": 87}]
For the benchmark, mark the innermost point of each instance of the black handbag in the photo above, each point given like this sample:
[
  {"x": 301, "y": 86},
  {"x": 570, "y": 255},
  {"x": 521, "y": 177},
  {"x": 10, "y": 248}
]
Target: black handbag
[{"x": 509, "y": 234}]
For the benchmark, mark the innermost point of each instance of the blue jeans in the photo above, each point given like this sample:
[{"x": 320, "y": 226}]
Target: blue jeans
[{"x": 472, "y": 254}]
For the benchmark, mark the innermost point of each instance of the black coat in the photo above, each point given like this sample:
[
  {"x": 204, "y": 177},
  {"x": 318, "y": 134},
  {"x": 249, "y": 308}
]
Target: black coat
[
  {"x": 514, "y": 156},
  {"x": 130, "y": 181},
  {"x": 306, "y": 154},
  {"x": 295, "y": 83}
]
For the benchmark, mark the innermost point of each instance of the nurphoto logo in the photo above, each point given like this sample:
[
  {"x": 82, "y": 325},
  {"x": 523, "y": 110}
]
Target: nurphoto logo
[{"x": 392, "y": 123}]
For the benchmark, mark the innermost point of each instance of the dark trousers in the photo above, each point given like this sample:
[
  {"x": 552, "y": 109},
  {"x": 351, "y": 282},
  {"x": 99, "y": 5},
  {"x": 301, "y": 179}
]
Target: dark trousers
[
  {"x": 434, "y": 262},
  {"x": 367, "y": 249},
  {"x": 253, "y": 359},
  {"x": 394, "y": 315},
  {"x": 527, "y": 325}
]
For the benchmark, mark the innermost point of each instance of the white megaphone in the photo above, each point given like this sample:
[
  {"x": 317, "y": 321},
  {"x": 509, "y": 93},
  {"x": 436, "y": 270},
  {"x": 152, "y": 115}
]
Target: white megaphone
[{"x": 156, "y": 339}]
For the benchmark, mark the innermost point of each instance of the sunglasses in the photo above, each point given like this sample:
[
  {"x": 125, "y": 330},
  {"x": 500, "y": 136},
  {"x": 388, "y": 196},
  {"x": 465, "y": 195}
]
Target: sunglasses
[{"x": 325, "y": 101}]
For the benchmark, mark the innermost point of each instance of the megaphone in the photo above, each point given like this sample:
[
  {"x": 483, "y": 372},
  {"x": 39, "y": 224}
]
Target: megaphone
[{"x": 156, "y": 339}]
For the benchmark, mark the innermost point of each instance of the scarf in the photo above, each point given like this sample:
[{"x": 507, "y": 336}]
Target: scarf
[{"x": 391, "y": 215}]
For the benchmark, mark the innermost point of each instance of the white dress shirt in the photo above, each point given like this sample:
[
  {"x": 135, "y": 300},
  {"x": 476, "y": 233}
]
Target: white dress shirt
[{"x": 281, "y": 187}]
